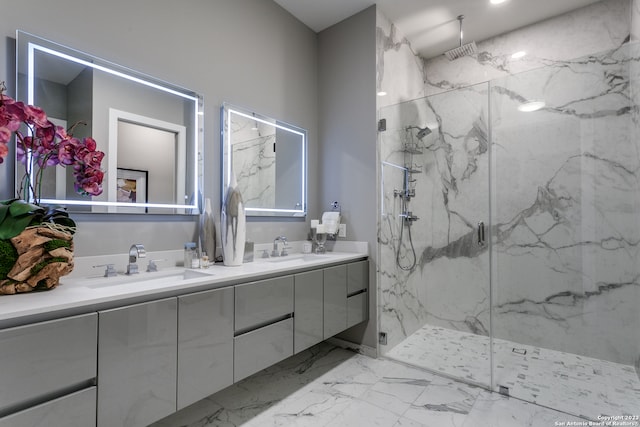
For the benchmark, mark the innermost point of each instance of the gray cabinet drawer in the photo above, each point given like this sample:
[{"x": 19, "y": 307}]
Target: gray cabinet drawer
[
  {"x": 308, "y": 315},
  {"x": 74, "y": 410},
  {"x": 357, "y": 308},
  {"x": 41, "y": 359},
  {"x": 259, "y": 303},
  {"x": 205, "y": 344},
  {"x": 357, "y": 277},
  {"x": 335, "y": 300},
  {"x": 262, "y": 348}
]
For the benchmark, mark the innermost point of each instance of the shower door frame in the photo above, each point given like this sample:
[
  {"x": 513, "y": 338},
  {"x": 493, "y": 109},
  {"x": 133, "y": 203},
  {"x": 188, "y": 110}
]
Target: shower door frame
[{"x": 483, "y": 108}]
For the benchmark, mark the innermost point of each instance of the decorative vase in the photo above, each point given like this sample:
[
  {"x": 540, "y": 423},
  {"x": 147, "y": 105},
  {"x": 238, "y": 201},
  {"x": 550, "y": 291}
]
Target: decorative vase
[
  {"x": 208, "y": 230},
  {"x": 233, "y": 225},
  {"x": 40, "y": 256}
]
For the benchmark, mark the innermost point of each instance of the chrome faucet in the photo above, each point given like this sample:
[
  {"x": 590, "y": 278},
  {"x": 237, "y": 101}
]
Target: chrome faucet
[
  {"x": 282, "y": 239},
  {"x": 135, "y": 251}
]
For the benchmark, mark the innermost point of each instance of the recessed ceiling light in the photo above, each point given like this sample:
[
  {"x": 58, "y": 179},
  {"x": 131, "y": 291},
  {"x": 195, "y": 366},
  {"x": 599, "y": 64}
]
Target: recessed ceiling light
[
  {"x": 381, "y": 93},
  {"x": 530, "y": 106},
  {"x": 519, "y": 54},
  {"x": 497, "y": 1}
]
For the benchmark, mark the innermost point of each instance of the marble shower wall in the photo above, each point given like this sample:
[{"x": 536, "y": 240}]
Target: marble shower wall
[
  {"x": 400, "y": 73},
  {"x": 596, "y": 28},
  {"x": 564, "y": 185}
]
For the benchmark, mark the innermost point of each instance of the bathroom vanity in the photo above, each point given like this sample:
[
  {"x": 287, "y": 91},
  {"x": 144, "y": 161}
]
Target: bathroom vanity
[{"x": 128, "y": 353}]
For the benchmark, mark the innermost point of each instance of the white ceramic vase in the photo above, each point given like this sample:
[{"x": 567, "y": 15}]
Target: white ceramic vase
[{"x": 233, "y": 225}]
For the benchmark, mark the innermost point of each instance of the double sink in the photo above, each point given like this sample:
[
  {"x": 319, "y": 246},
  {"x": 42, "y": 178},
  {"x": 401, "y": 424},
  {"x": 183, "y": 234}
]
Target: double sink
[
  {"x": 178, "y": 276},
  {"x": 157, "y": 278}
]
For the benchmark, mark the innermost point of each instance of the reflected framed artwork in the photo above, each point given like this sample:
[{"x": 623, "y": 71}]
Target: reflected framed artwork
[{"x": 132, "y": 185}]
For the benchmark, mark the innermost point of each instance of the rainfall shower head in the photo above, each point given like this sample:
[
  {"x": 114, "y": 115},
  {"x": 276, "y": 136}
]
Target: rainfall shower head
[{"x": 462, "y": 50}]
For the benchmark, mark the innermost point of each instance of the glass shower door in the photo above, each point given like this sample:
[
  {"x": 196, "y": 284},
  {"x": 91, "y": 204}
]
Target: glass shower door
[
  {"x": 565, "y": 253},
  {"x": 434, "y": 275}
]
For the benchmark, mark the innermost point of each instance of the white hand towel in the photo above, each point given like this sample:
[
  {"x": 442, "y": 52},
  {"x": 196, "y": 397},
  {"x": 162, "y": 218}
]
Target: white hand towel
[{"x": 331, "y": 220}]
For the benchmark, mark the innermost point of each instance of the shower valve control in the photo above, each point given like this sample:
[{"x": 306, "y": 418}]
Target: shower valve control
[
  {"x": 409, "y": 217},
  {"x": 406, "y": 194}
]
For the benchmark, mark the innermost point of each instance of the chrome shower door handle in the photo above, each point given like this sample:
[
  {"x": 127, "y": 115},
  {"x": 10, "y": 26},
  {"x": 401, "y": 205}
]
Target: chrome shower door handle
[{"x": 481, "y": 236}]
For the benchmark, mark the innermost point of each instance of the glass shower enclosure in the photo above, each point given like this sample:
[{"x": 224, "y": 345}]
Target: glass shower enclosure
[{"x": 509, "y": 234}]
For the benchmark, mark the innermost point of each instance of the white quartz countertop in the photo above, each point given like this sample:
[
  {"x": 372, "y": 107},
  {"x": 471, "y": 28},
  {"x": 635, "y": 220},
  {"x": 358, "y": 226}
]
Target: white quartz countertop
[{"x": 81, "y": 294}]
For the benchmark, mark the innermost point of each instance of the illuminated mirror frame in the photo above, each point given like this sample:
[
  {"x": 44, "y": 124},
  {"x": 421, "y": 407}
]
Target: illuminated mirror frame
[
  {"x": 35, "y": 43},
  {"x": 227, "y": 159}
]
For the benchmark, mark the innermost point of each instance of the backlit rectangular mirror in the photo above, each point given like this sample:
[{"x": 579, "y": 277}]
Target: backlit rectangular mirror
[
  {"x": 268, "y": 159},
  {"x": 150, "y": 130}
]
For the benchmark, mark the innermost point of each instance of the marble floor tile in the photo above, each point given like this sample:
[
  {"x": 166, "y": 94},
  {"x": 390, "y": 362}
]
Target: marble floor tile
[
  {"x": 362, "y": 413},
  {"x": 405, "y": 422},
  {"x": 315, "y": 407},
  {"x": 395, "y": 395},
  {"x": 443, "y": 402},
  {"x": 329, "y": 386},
  {"x": 495, "y": 410}
]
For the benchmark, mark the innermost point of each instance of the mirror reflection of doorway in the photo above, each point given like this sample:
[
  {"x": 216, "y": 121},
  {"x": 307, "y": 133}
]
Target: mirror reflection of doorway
[
  {"x": 151, "y": 147},
  {"x": 153, "y": 150}
]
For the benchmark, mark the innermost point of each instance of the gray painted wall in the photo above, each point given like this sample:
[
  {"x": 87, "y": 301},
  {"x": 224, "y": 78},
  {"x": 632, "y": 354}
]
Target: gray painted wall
[
  {"x": 248, "y": 52},
  {"x": 347, "y": 123}
]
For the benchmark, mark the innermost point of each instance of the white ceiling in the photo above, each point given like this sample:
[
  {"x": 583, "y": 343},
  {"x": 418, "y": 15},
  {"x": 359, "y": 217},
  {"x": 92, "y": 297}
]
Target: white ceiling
[{"x": 431, "y": 25}]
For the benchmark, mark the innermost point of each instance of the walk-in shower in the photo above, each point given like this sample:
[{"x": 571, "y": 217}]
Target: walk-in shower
[{"x": 546, "y": 307}]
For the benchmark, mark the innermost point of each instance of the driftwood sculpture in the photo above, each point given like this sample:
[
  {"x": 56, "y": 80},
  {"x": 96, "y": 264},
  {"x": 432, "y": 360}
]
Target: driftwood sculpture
[{"x": 44, "y": 254}]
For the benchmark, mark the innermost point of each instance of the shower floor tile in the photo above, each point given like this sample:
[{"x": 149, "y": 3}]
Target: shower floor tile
[
  {"x": 567, "y": 382},
  {"x": 457, "y": 354}
]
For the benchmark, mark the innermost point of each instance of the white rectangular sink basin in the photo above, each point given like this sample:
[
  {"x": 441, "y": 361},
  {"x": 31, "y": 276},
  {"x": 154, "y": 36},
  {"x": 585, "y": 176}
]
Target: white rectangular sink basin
[{"x": 156, "y": 278}]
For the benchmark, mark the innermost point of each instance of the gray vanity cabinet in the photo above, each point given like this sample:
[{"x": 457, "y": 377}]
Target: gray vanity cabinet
[
  {"x": 345, "y": 296},
  {"x": 357, "y": 292},
  {"x": 48, "y": 369},
  {"x": 205, "y": 344},
  {"x": 263, "y": 325},
  {"x": 308, "y": 317},
  {"x": 137, "y": 363},
  {"x": 335, "y": 300},
  {"x": 73, "y": 410}
]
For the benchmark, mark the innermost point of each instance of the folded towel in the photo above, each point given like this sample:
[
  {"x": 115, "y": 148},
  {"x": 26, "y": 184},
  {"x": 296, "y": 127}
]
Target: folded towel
[{"x": 331, "y": 221}]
